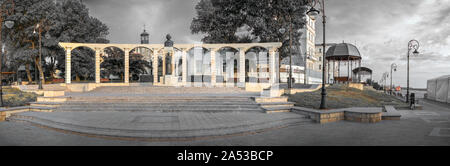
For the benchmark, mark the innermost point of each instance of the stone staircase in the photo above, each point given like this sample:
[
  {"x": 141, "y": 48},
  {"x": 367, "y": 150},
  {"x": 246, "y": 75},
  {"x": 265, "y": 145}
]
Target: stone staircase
[{"x": 158, "y": 99}]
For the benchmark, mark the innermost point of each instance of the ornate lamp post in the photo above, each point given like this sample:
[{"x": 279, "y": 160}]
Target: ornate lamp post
[
  {"x": 313, "y": 14},
  {"x": 393, "y": 67},
  {"x": 40, "y": 27},
  {"x": 385, "y": 77},
  {"x": 412, "y": 45},
  {"x": 8, "y": 24}
]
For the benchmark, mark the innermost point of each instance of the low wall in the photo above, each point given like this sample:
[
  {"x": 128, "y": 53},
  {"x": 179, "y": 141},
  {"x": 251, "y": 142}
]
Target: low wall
[
  {"x": 256, "y": 87},
  {"x": 90, "y": 86},
  {"x": 362, "y": 115},
  {"x": 356, "y": 86}
]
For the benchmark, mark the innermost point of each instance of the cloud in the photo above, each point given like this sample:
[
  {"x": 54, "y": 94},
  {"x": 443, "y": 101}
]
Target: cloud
[
  {"x": 380, "y": 28},
  {"x": 127, "y": 18}
]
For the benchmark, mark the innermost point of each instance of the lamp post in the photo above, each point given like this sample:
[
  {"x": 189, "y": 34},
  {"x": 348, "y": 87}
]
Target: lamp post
[
  {"x": 40, "y": 27},
  {"x": 393, "y": 67},
  {"x": 413, "y": 44},
  {"x": 385, "y": 77},
  {"x": 313, "y": 13},
  {"x": 8, "y": 24}
]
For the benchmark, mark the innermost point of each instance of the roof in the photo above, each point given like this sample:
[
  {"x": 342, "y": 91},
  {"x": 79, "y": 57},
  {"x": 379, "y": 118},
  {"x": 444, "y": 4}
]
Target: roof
[
  {"x": 441, "y": 77},
  {"x": 362, "y": 69},
  {"x": 343, "y": 51},
  {"x": 144, "y": 33}
]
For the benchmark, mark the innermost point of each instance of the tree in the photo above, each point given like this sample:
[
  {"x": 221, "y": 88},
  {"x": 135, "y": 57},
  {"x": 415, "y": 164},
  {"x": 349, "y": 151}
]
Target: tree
[
  {"x": 66, "y": 21},
  {"x": 237, "y": 21},
  {"x": 138, "y": 65},
  {"x": 113, "y": 62}
]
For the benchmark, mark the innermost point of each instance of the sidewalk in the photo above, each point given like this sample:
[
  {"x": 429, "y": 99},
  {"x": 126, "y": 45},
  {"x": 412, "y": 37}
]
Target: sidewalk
[{"x": 160, "y": 125}]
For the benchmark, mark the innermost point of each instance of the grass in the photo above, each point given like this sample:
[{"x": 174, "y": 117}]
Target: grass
[
  {"x": 341, "y": 96},
  {"x": 13, "y": 97}
]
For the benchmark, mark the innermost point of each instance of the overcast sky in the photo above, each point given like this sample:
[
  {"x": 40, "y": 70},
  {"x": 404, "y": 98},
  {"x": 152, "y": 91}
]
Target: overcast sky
[{"x": 380, "y": 29}]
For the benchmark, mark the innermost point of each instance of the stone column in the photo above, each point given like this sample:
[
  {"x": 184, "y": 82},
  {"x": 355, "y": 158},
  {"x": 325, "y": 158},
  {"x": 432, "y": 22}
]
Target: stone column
[
  {"x": 272, "y": 69},
  {"x": 155, "y": 66},
  {"x": 68, "y": 65},
  {"x": 97, "y": 65},
  {"x": 172, "y": 66},
  {"x": 127, "y": 65},
  {"x": 242, "y": 67},
  {"x": 213, "y": 67},
  {"x": 184, "y": 66},
  {"x": 164, "y": 64}
]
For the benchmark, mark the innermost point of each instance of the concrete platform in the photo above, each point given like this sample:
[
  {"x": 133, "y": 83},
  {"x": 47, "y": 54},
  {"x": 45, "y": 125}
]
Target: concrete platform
[{"x": 151, "y": 125}]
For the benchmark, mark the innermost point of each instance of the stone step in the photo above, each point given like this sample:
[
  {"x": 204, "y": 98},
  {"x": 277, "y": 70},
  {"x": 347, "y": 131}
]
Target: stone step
[
  {"x": 163, "y": 109},
  {"x": 277, "y": 104},
  {"x": 156, "y": 100},
  {"x": 46, "y": 104},
  {"x": 128, "y": 104},
  {"x": 52, "y": 99},
  {"x": 279, "y": 109},
  {"x": 207, "y": 131},
  {"x": 269, "y": 100},
  {"x": 42, "y": 109}
]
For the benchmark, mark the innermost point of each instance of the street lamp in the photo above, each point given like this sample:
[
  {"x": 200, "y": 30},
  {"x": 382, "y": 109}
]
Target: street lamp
[
  {"x": 313, "y": 13},
  {"x": 385, "y": 77},
  {"x": 40, "y": 27},
  {"x": 393, "y": 67},
  {"x": 9, "y": 24},
  {"x": 412, "y": 45}
]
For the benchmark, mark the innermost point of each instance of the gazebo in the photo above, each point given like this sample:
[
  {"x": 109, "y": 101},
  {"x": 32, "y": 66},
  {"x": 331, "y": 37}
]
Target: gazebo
[
  {"x": 361, "y": 71},
  {"x": 343, "y": 53}
]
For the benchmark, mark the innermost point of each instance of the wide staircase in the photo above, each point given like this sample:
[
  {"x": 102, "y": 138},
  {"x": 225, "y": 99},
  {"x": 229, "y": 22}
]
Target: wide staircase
[{"x": 159, "y": 99}]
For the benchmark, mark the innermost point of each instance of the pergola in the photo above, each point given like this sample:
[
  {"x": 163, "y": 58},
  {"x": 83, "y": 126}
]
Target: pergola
[
  {"x": 343, "y": 52},
  {"x": 161, "y": 50}
]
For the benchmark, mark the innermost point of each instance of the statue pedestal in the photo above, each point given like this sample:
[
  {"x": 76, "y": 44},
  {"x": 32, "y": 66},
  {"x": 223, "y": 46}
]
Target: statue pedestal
[{"x": 170, "y": 80}]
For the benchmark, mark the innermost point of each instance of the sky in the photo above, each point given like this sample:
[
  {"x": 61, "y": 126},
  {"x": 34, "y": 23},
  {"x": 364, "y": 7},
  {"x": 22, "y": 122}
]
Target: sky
[{"x": 381, "y": 29}]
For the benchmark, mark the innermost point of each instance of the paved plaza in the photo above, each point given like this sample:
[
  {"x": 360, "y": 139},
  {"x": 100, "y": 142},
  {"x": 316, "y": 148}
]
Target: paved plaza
[{"x": 430, "y": 126}]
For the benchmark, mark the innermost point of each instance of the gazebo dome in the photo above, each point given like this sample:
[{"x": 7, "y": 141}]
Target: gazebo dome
[
  {"x": 343, "y": 51},
  {"x": 144, "y": 33}
]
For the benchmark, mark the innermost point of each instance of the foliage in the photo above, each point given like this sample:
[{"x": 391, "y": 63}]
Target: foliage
[
  {"x": 83, "y": 63},
  {"x": 113, "y": 62},
  {"x": 138, "y": 65},
  {"x": 14, "y": 97},
  {"x": 62, "y": 21},
  {"x": 341, "y": 96},
  {"x": 223, "y": 21}
]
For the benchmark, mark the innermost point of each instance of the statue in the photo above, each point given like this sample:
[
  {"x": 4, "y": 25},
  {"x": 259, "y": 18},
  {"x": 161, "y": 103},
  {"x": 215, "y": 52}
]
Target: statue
[{"x": 168, "y": 43}]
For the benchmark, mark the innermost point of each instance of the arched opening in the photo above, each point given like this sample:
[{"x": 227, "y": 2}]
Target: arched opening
[
  {"x": 227, "y": 63},
  {"x": 82, "y": 65},
  {"x": 141, "y": 65},
  {"x": 257, "y": 68},
  {"x": 199, "y": 65},
  {"x": 112, "y": 68}
]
